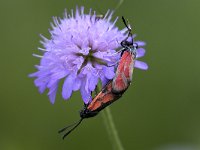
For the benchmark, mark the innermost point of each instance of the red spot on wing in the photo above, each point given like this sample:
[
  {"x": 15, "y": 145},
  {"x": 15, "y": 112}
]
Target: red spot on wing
[{"x": 124, "y": 72}]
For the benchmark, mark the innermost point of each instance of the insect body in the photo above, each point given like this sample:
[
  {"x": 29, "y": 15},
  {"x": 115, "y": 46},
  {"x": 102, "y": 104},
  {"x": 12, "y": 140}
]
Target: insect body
[
  {"x": 124, "y": 70},
  {"x": 100, "y": 101}
]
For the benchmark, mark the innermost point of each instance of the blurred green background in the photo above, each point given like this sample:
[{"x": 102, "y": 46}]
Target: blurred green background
[{"x": 160, "y": 108}]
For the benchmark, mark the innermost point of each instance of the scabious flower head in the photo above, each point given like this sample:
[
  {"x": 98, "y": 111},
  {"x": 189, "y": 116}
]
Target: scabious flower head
[{"x": 81, "y": 50}]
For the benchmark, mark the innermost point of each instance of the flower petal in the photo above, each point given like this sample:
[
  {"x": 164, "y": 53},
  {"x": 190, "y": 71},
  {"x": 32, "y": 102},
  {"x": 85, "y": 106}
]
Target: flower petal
[
  {"x": 93, "y": 82},
  {"x": 68, "y": 86},
  {"x": 140, "y": 52},
  {"x": 104, "y": 80},
  {"x": 141, "y": 65},
  {"x": 77, "y": 84},
  {"x": 86, "y": 95},
  {"x": 41, "y": 83},
  {"x": 109, "y": 72},
  {"x": 140, "y": 43},
  {"x": 52, "y": 92}
]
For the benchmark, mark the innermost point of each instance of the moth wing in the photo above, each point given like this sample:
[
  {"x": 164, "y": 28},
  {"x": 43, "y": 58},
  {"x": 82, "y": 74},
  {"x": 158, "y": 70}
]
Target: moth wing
[
  {"x": 123, "y": 73},
  {"x": 100, "y": 98}
]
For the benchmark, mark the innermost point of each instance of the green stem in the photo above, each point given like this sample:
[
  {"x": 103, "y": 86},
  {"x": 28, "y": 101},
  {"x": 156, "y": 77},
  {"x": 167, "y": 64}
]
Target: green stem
[
  {"x": 110, "y": 126},
  {"x": 111, "y": 129}
]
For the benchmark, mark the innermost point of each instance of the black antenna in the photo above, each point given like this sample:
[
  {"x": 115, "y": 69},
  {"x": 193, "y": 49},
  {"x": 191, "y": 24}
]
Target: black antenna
[
  {"x": 126, "y": 24},
  {"x": 128, "y": 27},
  {"x": 76, "y": 124}
]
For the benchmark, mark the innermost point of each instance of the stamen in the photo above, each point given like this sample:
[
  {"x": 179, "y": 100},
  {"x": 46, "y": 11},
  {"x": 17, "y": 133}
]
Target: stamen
[
  {"x": 110, "y": 16},
  {"x": 42, "y": 49},
  {"x": 65, "y": 13},
  {"x": 115, "y": 21},
  {"x": 38, "y": 56},
  {"x": 82, "y": 11},
  {"x": 107, "y": 13},
  {"x": 72, "y": 13}
]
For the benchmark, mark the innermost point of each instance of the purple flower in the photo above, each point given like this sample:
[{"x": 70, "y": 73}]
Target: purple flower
[{"x": 80, "y": 51}]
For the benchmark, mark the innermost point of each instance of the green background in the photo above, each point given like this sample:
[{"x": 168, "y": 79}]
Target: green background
[{"x": 161, "y": 107}]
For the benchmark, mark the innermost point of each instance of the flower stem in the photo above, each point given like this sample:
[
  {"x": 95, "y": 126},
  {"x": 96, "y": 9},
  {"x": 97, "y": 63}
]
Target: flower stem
[
  {"x": 110, "y": 126},
  {"x": 111, "y": 129}
]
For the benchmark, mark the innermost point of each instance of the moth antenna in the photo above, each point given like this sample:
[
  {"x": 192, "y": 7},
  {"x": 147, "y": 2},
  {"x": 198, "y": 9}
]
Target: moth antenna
[
  {"x": 76, "y": 124},
  {"x": 126, "y": 23},
  {"x": 63, "y": 129}
]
